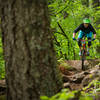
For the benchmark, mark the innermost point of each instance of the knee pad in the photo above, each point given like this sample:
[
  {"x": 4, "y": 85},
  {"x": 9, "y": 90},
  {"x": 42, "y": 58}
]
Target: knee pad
[{"x": 89, "y": 42}]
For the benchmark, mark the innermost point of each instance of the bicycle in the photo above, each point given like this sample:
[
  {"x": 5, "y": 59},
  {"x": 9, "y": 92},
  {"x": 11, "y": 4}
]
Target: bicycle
[{"x": 83, "y": 51}]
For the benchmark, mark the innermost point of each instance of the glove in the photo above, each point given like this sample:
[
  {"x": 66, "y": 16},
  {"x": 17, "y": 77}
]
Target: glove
[
  {"x": 93, "y": 39},
  {"x": 74, "y": 39}
]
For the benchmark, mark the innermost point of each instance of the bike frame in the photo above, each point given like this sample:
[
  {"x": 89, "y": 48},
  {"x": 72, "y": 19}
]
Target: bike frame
[
  {"x": 83, "y": 56},
  {"x": 83, "y": 51}
]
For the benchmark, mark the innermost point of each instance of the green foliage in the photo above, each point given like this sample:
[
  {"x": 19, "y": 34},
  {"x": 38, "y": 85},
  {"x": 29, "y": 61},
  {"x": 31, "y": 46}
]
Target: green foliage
[
  {"x": 66, "y": 94},
  {"x": 95, "y": 84},
  {"x": 70, "y": 13},
  {"x": 2, "y": 97}
]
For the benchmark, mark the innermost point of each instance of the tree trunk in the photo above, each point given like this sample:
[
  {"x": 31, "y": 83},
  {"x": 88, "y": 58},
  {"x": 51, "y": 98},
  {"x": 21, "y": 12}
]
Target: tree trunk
[{"x": 28, "y": 50}]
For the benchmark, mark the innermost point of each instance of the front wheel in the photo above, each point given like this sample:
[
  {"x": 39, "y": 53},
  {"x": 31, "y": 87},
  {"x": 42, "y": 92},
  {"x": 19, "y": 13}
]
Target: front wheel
[
  {"x": 83, "y": 59},
  {"x": 83, "y": 68}
]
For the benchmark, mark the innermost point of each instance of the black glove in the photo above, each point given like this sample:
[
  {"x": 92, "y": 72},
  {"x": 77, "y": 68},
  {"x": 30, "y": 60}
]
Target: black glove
[
  {"x": 93, "y": 39},
  {"x": 74, "y": 39}
]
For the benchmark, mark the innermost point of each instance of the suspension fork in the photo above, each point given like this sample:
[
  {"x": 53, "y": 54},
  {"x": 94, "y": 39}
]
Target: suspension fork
[{"x": 83, "y": 57}]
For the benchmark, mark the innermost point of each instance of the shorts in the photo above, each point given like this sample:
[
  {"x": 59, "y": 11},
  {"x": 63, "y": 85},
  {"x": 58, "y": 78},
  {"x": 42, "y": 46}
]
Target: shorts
[{"x": 82, "y": 34}]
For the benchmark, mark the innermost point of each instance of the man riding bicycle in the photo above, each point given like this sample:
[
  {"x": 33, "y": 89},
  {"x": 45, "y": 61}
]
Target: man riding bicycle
[{"x": 86, "y": 29}]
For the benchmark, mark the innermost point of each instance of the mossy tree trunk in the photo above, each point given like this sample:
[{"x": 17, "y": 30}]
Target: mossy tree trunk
[{"x": 28, "y": 50}]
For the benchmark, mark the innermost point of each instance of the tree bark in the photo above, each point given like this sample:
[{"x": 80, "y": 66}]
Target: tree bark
[{"x": 30, "y": 59}]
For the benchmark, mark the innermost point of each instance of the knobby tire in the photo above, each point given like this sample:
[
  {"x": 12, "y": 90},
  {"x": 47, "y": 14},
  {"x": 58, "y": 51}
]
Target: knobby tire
[{"x": 83, "y": 59}]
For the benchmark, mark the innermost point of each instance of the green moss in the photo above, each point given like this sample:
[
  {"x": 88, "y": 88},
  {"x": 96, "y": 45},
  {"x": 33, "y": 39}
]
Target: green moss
[
  {"x": 2, "y": 97},
  {"x": 67, "y": 66}
]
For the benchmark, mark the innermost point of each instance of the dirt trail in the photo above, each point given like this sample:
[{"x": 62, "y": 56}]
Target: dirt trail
[{"x": 74, "y": 78}]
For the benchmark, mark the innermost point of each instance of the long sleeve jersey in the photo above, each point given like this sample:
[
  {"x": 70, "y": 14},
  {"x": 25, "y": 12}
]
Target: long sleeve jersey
[{"x": 85, "y": 30}]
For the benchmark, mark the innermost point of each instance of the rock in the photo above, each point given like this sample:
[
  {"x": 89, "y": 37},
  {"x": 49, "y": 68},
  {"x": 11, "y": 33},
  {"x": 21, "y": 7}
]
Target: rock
[
  {"x": 74, "y": 86},
  {"x": 65, "y": 71},
  {"x": 66, "y": 78},
  {"x": 66, "y": 85},
  {"x": 94, "y": 74},
  {"x": 74, "y": 78},
  {"x": 77, "y": 78},
  {"x": 97, "y": 66},
  {"x": 2, "y": 83},
  {"x": 86, "y": 72},
  {"x": 2, "y": 87}
]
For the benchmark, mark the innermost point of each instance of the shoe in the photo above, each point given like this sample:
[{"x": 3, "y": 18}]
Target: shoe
[
  {"x": 80, "y": 53},
  {"x": 88, "y": 53}
]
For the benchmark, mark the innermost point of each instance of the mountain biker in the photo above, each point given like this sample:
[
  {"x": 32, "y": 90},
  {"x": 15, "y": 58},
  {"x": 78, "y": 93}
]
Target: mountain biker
[{"x": 85, "y": 29}]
